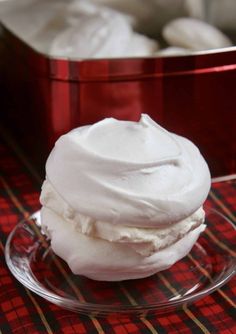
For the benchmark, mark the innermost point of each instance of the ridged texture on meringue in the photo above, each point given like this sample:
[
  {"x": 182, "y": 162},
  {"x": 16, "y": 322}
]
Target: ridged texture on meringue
[{"x": 128, "y": 173}]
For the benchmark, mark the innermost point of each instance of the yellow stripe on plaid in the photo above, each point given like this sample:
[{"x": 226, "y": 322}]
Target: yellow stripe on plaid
[
  {"x": 128, "y": 295},
  {"x": 197, "y": 322},
  {"x": 219, "y": 243},
  {"x": 39, "y": 310},
  {"x": 21, "y": 209},
  {"x": 40, "y": 313},
  {"x": 222, "y": 206},
  {"x": 1, "y": 246},
  {"x": 149, "y": 325},
  {"x": 210, "y": 278},
  {"x": 75, "y": 289},
  {"x": 13, "y": 198},
  {"x": 185, "y": 308},
  {"x": 133, "y": 302}
]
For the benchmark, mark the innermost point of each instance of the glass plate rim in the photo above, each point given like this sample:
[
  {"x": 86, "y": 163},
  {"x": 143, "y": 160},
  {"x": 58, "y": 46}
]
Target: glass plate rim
[{"x": 75, "y": 305}]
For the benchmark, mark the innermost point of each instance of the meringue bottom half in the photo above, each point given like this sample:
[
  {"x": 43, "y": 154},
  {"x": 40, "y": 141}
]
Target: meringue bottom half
[{"x": 103, "y": 260}]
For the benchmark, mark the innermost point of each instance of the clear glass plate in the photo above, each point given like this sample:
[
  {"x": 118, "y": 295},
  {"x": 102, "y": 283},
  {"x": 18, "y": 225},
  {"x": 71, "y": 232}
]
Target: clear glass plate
[{"x": 210, "y": 264}]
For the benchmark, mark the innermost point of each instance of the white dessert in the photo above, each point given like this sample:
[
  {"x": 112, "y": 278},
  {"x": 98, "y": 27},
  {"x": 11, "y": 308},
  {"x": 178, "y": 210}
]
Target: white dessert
[
  {"x": 196, "y": 8},
  {"x": 75, "y": 29},
  {"x": 149, "y": 16},
  {"x": 99, "y": 32},
  {"x": 194, "y": 34},
  {"x": 123, "y": 200},
  {"x": 89, "y": 29},
  {"x": 173, "y": 51}
]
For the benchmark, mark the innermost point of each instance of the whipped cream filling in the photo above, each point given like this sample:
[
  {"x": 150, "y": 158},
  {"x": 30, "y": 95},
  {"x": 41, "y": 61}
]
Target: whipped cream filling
[
  {"x": 145, "y": 241},
  {"x": 100, "y": 259},
  {"x": 129, "y": 173}
]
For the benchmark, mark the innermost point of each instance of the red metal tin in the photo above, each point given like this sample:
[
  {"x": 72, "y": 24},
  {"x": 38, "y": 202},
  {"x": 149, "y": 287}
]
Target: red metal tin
[{"x": 194, "y": 96}]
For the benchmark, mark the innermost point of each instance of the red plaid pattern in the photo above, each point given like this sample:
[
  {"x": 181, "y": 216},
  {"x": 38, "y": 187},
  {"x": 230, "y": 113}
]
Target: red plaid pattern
[{"x": 21, "y": 311}]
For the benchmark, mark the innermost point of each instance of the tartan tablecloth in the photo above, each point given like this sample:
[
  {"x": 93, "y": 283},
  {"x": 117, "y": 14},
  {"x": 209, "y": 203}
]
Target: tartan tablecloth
[{"x": 21, "y": 311}]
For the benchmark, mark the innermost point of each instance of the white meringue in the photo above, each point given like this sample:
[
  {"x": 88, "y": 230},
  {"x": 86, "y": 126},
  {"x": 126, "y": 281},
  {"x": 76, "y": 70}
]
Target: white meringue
[
  {"x": 144, "y": 175},
  {"x": 102, "y": 260},
  {"x": 173, "y": 51},
  {"x": 126, "y": 187},
  {"x": 194, "y": 34},
  {"x": 101, "y": 33},
  {"x": 90, "y": 29},
  {"x": 75, "y": 29},
  {"x": 145, "y": 241}
]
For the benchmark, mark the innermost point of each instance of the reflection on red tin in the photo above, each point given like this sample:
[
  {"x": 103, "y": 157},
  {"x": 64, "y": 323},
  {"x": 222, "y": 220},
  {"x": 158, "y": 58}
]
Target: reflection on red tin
[{"x": 191, "y": 95}]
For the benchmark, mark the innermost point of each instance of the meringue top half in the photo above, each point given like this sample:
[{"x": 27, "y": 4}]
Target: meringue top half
[{"x": 134, "y": 174}]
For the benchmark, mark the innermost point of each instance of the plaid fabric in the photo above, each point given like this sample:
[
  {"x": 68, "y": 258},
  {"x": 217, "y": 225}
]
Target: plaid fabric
[{"x": 21, "y": 311}]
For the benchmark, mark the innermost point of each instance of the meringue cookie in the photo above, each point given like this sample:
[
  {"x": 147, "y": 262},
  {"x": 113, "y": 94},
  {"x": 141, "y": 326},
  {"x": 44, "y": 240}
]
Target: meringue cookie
[
  {"x": 76, "y": 29},
  {"x": 144, "y": 175},
  {"x": 99, "y": 32},
  {"x": 102, "y": 260},
  {"x": 173, "y": 51},
  {"x": 196, "y": 8},
  {"x": 194, "y": 34},
  {"x": 109, "y": 36},
  {"x": 145, "y": 241},
  {"x": 128, "y": 189},
  {"x": 150, "y": 15},
  {"x": 35, "y": 22}
]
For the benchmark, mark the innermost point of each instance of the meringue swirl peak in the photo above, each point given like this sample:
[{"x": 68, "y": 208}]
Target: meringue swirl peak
[{"x": 128, "y": 173}]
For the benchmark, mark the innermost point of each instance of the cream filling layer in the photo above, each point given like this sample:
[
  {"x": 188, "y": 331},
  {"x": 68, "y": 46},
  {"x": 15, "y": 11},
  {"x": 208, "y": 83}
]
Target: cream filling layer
[
  {"x": 110, "y": 261},
  {"x": 144, "y": 241}
]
